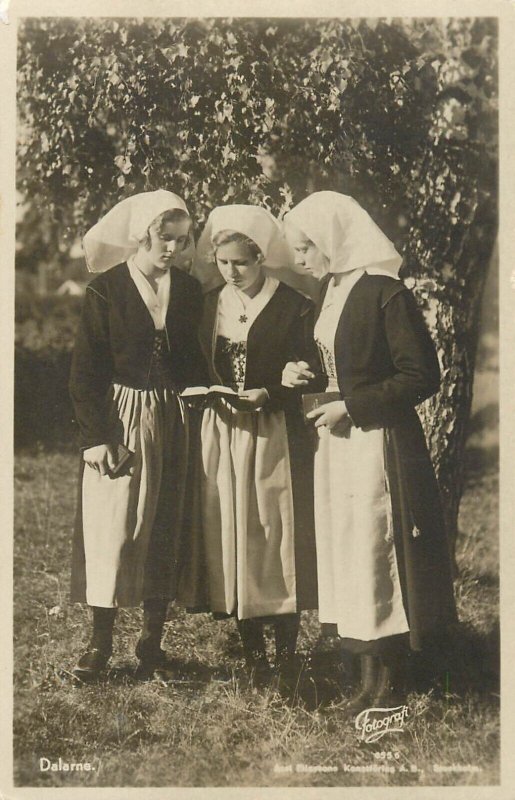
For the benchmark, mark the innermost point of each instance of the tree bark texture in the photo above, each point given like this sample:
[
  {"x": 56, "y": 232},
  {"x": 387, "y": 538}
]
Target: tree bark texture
[{"x": 452, "y": 237}]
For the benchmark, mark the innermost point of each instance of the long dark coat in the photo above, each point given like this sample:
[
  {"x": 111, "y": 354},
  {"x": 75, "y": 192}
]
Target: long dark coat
[
  {"x": 282, "y": 332},
  {"x": 115, "y": 343},
  {"x": 386, "y": 364}
]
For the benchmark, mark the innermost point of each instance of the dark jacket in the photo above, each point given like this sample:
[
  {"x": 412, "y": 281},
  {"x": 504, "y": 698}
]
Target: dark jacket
[
  {"x": 282, "y": 332},
  {"x": 115, "y": 344},
  {"x": 385, "y": 360},
  {"x": 386, "y": 364}
]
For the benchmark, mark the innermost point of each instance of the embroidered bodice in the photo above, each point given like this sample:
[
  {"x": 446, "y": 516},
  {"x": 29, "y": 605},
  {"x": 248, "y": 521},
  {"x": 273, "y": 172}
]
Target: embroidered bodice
[
  {"x": 160, "y": 375},
  {"x": 336, "y": 296},
  {"x": 230, "y": 361}
]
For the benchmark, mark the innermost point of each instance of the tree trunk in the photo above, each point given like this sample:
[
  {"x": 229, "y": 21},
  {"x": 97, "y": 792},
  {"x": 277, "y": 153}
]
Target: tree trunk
[{"x": 451, "y": 293}]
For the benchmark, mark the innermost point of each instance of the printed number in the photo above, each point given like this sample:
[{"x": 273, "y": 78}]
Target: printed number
[{"x": 387, "y": 755}]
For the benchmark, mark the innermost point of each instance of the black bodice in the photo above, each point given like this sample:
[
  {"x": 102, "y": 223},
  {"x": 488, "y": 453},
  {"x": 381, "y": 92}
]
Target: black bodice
[
  {"x": 160, "y": 376},
  {"x": 230, "y": 362}
]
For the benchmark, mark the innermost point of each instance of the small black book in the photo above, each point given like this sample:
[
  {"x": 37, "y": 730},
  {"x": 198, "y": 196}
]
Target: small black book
[
  {"x": 317, "y": 400},
  {"x": 124, "y": 454}
]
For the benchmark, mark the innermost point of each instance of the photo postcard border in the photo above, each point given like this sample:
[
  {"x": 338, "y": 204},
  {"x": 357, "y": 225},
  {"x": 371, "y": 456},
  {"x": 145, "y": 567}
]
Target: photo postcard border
[{"x": 504, "y": 10}]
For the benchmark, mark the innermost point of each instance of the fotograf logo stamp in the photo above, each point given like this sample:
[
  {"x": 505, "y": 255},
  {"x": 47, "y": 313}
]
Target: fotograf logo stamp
[{"x": 373, "y": 723}]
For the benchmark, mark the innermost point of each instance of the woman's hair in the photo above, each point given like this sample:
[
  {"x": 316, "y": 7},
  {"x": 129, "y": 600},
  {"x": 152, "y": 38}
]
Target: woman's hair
[
  {"x": 225, "y": 237},
  {"x": 173, "y": 215}
]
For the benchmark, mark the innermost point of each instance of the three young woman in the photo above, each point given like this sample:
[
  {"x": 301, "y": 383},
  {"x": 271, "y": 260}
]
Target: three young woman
[{"x": 384, "y": 577}]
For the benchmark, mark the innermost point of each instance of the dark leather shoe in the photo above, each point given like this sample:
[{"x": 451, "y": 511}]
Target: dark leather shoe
[
  {"x": 358, "y": 702},
  {"x": 388, "y": 693},
  {"x": 151, "y": 658},
  {"x": 151, "y": 654},
  {"x": 369, "y": 675},
  {"x": 91, "y": 664}
]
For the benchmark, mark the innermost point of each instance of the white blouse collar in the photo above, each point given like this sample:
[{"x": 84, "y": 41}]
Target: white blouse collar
[
  {"x": 156, "y": 302},
  {"x": 237, "y": 311},
  {"x": 339, "y": 287}
]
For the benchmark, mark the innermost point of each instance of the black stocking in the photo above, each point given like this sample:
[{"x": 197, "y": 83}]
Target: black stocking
[
  {"x": 103, "y": 622},
  {"x": 286, "y": 628},
  {"x": 154, "y": 617},
  {"x": 253, "y": 640}
]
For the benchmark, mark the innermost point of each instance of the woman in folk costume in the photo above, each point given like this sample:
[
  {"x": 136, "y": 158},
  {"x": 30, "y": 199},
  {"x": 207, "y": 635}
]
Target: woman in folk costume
[
  {"x": 136, "y": 348},
  {"x": 384, "y": 572},
  {"x": 256, "y": 481}
]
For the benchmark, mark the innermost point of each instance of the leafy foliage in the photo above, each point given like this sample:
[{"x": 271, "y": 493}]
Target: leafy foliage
[
  {"x": 399, "y": 113},
  {"x": 259, "y": 110}
]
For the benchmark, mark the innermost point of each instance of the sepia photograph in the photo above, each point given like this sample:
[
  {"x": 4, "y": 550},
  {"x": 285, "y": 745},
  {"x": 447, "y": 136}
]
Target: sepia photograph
[{"x": 256, "y": 401}]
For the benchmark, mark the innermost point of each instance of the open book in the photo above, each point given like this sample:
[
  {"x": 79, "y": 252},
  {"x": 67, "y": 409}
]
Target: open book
[{"x": 212, "y": 392}]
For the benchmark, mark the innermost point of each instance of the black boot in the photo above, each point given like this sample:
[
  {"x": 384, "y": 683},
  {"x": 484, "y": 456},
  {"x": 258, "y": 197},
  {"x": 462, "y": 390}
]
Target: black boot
[
  {"x": 363, "y": 697},
  {"x": 148, "y": 648},
  {"x": 286, "y": 629},
  {"x": 254, "y": 650},
  {"x": 95, "y": 659},
  {"x": 389, "y": 689}
]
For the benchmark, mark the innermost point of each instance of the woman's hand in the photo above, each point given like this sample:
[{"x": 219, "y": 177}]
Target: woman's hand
[
  {"x": 296, "y": 373},
  {"x": 252, "y": 399},
  {"x": 102, "y": 457},
  {"x": 330, "y": 414}
]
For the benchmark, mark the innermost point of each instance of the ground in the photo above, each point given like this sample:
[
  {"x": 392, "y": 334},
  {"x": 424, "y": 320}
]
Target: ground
[{"x": 214, "y": 729}]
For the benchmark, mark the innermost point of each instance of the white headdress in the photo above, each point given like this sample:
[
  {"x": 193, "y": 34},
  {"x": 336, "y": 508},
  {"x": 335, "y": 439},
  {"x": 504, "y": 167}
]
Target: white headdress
[
  {"x": 345, "y": 233},
  {"x": 117, "y": 235},
  {"x": 257, "y": 224}
]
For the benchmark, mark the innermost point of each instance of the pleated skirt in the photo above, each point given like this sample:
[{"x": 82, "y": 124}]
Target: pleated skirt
[
  {"x": 247, "y": 511},
  {"x": 130, "y": 533}
]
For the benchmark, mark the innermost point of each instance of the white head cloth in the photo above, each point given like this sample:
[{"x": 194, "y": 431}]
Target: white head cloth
[
  {"x": 258, "y": 224},
  {"x": 116, "y": 236},
  {"x": 345, "y": 233}
]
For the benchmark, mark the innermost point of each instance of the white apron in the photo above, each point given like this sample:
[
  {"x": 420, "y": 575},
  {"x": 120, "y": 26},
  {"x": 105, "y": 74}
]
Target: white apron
[
  {"x": 247, "y": 500},
  {"x": 358, "y": 579}
]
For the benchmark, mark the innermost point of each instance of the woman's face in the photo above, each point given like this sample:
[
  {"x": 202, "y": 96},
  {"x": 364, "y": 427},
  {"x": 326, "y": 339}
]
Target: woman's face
[
  {"x": 168, "y": 242},
  {"x": 238, "y": 265},
  {"x": 307, "y": 255}
]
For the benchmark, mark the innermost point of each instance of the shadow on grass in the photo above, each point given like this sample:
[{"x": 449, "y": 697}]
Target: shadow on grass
[
  {"x": 177, "y": 671},
  {"x": 466, "y": 662},
  {"x": 325, "y": 675}
]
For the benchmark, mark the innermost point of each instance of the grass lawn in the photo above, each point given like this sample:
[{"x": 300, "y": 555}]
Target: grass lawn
[{"x": 214, "y": 729}]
